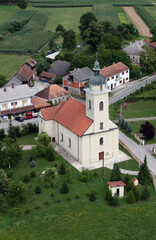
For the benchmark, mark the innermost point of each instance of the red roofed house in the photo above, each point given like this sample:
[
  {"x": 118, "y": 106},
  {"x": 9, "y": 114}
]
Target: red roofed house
[
  {"x": 53, "y": 93},
  {"x": 117, "y": 187},
  {"x": 135, "y": 181},
  {"x": 116, "y": 75},
  {"x": 83, "y": 130},
  {"x": 47, "y": 77}
]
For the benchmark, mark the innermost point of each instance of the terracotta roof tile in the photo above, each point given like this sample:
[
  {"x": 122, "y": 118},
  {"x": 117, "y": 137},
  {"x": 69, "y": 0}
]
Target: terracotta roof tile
[
  {"x": 39, "y": 103},
  {"x": 49, "y": 113},
  {"x": 26, "y": 72},
  {"x": 134, "y": 179},
  {"x": 73, "y": 116},
  {"x": 116, "y": 184},
  {"x": 113, "y": 69},
  {"x": 47, "y": 74},
  {"x": 32, "y": 62},
  {"x": 53, "y": 91}
]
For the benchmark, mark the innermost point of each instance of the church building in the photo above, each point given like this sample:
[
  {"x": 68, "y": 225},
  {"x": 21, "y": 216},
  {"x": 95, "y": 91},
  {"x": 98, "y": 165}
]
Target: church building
[{"x": 83, "y": 130}]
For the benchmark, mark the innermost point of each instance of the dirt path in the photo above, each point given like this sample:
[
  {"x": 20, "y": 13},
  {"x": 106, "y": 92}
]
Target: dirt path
[{"x": 138, "y": 22}]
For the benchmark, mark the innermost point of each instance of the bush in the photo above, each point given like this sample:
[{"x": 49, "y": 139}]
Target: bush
[
  {"x": 16, "y": 192},
  {"x": 136, "y": 193},
  {"x": 50, "y": 177},
  {"x": 92, "y": 196},
  {"x": 27, "y": 211},
  {"x": 62, "y": 168},
  {"x": 1, "y": 38},
  {"x": 4, "y": 182},
  {"x": 77, "y": 196},
  {"x": 116, "y": 174},
  {"x": 3, "y": 204},
  {"x": 129, "y": 185},
  {"x": 37, "y": 190},
  {"x": 69, "y": 179},
  {"x": 50, "y": 153},
  {"x": 145, "y": 195},
  {"x": 52, "y": 195},
  {"x": 130, "y": 197},
  {"x": 2, "y": 134},
  {"x": 126, "y": 179},
  {"x": 39, "y": 150},
  {"x": 64, "y": 189},
  {"x": 148, "y": 130},
  {"x": 33, "y": 174},
  {"x": 33, "y": 163},
  {"x": 85, "y": 175},
  {"x": 26, "y": 178}
]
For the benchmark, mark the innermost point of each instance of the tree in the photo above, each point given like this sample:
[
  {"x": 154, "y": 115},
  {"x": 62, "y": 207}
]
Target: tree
[
  {"x": 126, "y": 179},
  {"x": 136, "y": 193},
  {"x": 43, "y": 139},
  {"x": 130, "y": 197},
  {"x": 153, "y": 31},
  {"x": 50, "y": 153},
  {"x": 116, "y": 174},
  {"x": 4, "y": 182},
  {"x": 145, "y": 195},
  {"x": 144, "y": 174},
  {"x": 85, "y": 20},
  {"x": 147, "y": 130},
  {"x": 57, "y": 80},
  {"x": 110, "y": 41},
  {"x": 11, "y": 131},
  {"x": 129, "y": 185},
  {"x": 64, "y": 188},
  {"x": 2, "y": 134},
  {"x": 60, "y": 28},
  {"x": 2, "y": 80},
  {"x": 42, "y": 65},
  {"x": 135, "y": 71},
  {"x": 148, "y": 59},
  {"x": 11, "y": 152},
  {"x": 69, "y": 39},
  {"x": 3, "y": 204},
  {"x": 62, "y": 168},
  {"x": 81, "y": 60},
  {"x": 22, "y": 4},
  {"x": 50, "y": 177},
  {"x": 14, "y": 26},
  {"x": 16, "y": 192}
]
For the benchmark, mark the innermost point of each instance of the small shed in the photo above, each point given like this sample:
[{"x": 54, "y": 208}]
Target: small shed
[
  {"x": 135, "y": 181},
  {"x": 117, "y": 187}
]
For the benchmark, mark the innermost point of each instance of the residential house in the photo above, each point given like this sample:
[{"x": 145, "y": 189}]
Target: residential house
[
  {"x": 117, "y": 187},
  {"x": 13, "y": 81},
  {"x": 26, "y": 75},
  {"x": 134, "y": 50},
  {"x": 47, "y": 77},
  {"x": 116, "y": 75},
  {"x": 59, "y": 67},
  {"x": 15, "y": 99},
  {"x": 76, "y": 80},
  {"x": 84, "y": 131},
  {"x": 53, "y": 93}
]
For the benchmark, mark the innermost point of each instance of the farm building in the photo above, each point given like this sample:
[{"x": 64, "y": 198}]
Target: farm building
[
  {"x": 83, "y": 130},
  {"x": 53, "y": 93},
  {"x": 134, "y": 50},
  {"x": 76, "y": 80},
  {"x": 116, "y": 75},
  {"x": 117, "y": 187},
  {"x": 47, "y": 77},
  {"x": 59, "y": 67}
]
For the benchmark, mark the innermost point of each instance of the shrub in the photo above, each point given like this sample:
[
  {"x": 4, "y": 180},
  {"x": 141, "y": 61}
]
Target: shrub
[
  {"x": 39, "y": 150},
  {"x": 129, "y": 185},
  {"x": 52, "y": 195},
  {"x": 2, "y": 134},
  {"x": 116, "y": 174},
  {"x": 68, "y": 198},
  {"x": 16, "y": 192},
  {"x": 126, "y": 179},
  {"x": 136, "y": 193},
  {"x": 145, "y": 195},
  {"x": 1, "y": 38},
  {"x": 50, "y": 153},
  {"x": 27, "y": 210},
  {"x": 148, "y": 130},
  {"x": 37, "y": 190},
  {"x": 68, "y": 171},
  {"x": 77, "y": 196},
  {"x": 130, "y": 197},
  {"x": 144, "y": 174},
  {"x": 64, "y": 188},
  {"x": 3, "y": 204},
  {"x": 33, "y": 163},
  {"x": 115, "y": 200},
  {"x": 50, "y": 177},
  {"x": 107, "y": 193},
  {"x": 4, "y": 182},
  {"x": 26, "y": 178},
  {"x": 33, "y": 174},
  {"x": 92, "y": 196},
  {"x": 85, "y": 175},
  {"x": 46, "y": 203},
  {"x": 62, "y": 168},
  {"x": 69, "y": 179}
]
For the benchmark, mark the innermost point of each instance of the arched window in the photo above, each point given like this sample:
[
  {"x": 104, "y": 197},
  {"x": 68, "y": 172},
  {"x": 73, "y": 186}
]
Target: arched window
[
  {"x": 89, "y": 104},
  {"x": 101, "y": 141},
  {"x": 101, "y": 106}
]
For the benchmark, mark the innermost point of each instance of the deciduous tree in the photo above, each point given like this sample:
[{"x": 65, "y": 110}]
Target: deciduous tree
[{"x": 147, "y": 130}]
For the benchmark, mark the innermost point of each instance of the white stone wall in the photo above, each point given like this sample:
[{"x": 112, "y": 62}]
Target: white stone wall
[
  {"x": 59, "y": 99},
  {"x": 117, "y": 80},
  {"x": 18, "y": 105},
  {"x": 114, "y": 190}
]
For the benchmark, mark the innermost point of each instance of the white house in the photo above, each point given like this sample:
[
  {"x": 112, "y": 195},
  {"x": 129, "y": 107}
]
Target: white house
[
  {"x": 83, "y": 130},
  {"x": 117, "y": 187},
  {"x": 15, "y": 99},
  {"x": 116, "y": 75}
]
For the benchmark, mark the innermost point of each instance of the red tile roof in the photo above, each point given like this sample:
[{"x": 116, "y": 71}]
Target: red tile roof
[
  {"x": 134, "y": 179},
  {"x": 53, "y": 91},
  {"x": 47, "y": 75},
  {"x": 113, "y": 69},
  {"x": 26, "y": 72},
  {"x": 153, "y": 44},
  {"x": 71, "y": 115},
  {"x": 38, "y": 103},
  {"x": 32, "y": 62},
  {"x": 116, "y": 184}
]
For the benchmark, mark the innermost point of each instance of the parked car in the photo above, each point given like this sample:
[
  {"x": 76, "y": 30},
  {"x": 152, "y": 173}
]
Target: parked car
[
  {"x": 20, "y": 119},
  {"x": 35, "y": 114},
  {"x": 5, "y": 117},
  {"x": 28, "y": 115}
]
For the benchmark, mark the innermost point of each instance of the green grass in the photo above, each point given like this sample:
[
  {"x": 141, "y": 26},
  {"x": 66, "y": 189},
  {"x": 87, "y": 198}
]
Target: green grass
[
  {"x": 10, "y": 64},
  {"x": 131, "y": 165},
  {"x": 6, "y": 12},
  {"x": 140, "y": 109},
  {"x": 151, "y": 11},
  {"x": 78, "y": 218},
  {"x": 123, "y": 17},
  {"x": 27, "y": 139},
  {"x": 106, "y": 13}
]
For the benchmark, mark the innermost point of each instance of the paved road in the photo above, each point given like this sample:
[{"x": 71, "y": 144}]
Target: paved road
[{"x": 140, "y": 151}]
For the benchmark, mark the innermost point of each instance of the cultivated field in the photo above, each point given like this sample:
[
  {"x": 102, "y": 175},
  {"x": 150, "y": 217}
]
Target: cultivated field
[
  {"x": 122, "y": 15},
  {"x": 151, "y": 11},
  {"x": 106, "y": 13},
  {"x": 138, "y": 22}
]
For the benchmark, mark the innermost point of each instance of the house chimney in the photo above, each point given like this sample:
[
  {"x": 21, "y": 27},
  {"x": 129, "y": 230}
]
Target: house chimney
[
  {"x": 4, "y": 89},
  {"x": 12, "y": 85}
]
